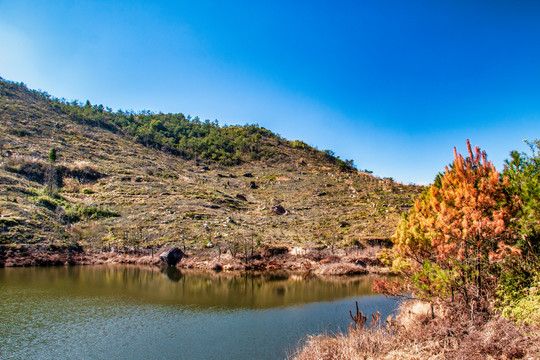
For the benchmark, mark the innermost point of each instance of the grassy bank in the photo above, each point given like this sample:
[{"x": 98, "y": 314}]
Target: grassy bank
[
  {"x": 446, "y": 332},
  {"x": 318, "y": 262}
]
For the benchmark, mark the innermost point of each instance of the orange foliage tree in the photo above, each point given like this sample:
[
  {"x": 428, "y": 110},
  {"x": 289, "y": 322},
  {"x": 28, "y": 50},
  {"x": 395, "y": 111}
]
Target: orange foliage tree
[{"x": 458, "y": 231}]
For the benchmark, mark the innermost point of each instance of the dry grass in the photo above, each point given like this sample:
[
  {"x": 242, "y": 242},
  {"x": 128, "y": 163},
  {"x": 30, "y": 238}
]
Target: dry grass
[
  {"x": 447, "y": 333},
  {"x": 355, "y": 345},
  {"x": 162, "y": 198},
  {"x": 71, "y": 185},
  {"x": 340, "y": 269}
]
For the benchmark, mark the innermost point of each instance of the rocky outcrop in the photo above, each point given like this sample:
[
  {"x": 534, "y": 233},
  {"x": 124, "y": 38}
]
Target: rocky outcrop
[
  {"x": 279, "y": 209},
  {"x": 172, "y": 256}
]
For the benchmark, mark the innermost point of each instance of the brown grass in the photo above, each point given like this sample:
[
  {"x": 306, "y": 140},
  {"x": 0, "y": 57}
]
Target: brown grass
[
  {"x": 340, "y": 269},
  {"x": 162, "y": 199},
  {"x": 448, "y": 332}
]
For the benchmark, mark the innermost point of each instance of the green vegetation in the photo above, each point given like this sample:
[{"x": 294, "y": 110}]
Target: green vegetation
[
  {"x": 473, "y": 236},
  {"x": 177, "y": 134},
  {"x": 52, "y": 156},
  {"x": 519, "y": 283}
]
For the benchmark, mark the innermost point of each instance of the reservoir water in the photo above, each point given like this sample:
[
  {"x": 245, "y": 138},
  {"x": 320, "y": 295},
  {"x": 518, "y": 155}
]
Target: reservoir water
[{"x": 129, "y": 312}]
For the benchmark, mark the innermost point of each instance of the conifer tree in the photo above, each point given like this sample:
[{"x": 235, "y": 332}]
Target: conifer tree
[
  {"x": 459, "y": 232},
  {"x": 50, "y": 175}
]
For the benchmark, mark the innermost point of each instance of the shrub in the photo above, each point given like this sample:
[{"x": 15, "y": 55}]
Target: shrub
[
  {"x": 94, "y": 212},
  {"x": 520, "y": 279},
  {"x": 459, "y": 234},
  {"x": 47, "y": 202}
]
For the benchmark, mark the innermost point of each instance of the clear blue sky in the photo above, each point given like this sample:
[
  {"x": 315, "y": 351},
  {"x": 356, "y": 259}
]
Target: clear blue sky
[{"x": 394, "y": 85}]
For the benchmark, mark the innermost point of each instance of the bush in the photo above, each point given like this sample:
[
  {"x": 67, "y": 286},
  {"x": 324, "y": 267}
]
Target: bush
[
  {"x": 460, "y": 236},
  {"x": 94, "y": 212},
  {"x": 47, "y": 202},
  {"x": 520, "y": 279}
]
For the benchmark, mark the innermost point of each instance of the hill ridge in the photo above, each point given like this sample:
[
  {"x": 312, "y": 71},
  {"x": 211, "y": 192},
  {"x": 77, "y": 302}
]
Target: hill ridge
[{"x": 187, "y": 137}]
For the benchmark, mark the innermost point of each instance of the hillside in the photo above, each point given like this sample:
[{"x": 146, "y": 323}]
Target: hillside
[{"x": 153, "y": 179}]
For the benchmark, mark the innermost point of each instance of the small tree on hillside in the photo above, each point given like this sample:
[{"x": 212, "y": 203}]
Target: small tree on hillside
[
  {"x": 52, "y": 156},
  {"x": 50, "y": 175}
]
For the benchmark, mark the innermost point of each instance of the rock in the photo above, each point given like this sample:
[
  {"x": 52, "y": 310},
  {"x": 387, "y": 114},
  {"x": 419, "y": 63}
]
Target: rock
[
  {"x": 248, "y": 175},
  {"x": 253, "y": 185},
  {"x": 360, "y": 263},
  {"x": 298, "y": 251},
  {"x": 280, "y": 210},
  {"x": 172, "y": 256},
  {"x": 241, "y": 197}
]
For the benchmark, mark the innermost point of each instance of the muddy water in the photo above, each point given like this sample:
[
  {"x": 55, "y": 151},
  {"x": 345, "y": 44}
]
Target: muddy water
[{"x": 128, "y": 312}]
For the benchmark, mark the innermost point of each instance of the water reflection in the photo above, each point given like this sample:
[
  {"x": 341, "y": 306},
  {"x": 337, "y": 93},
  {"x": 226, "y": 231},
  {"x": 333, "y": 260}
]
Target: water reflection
[
  {"x": 130, "y": 312},
  {"x": 172, "y": 273},
  {"x": 169, "y": 285}
]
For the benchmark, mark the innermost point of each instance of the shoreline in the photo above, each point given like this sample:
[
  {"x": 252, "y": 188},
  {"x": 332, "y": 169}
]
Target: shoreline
[{"x": 313, "y": 261}]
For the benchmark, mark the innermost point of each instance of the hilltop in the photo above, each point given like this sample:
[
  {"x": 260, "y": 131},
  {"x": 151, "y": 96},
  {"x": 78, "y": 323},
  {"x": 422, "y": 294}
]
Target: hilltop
[{"x": 143, "y": 179}]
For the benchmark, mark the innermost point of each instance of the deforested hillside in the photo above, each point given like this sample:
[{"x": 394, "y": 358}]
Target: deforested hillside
[{"x": 140, "y": 179}]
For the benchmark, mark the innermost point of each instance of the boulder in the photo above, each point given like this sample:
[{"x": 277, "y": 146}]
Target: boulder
[
  {"x": 298, "y": 251},
  {"x": 280, "y": 210},
  {"x": 241, "y": 197},
  {"x": 172, "y": 256},
  {"x": 360, "y": 263}
]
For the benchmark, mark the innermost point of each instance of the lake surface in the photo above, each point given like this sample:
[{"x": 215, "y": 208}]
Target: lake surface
[{"x": 129, "y": 312}]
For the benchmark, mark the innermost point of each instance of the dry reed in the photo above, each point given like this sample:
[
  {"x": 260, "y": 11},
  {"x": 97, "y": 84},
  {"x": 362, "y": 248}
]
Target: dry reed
[{"x": 444, "y": 332}]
